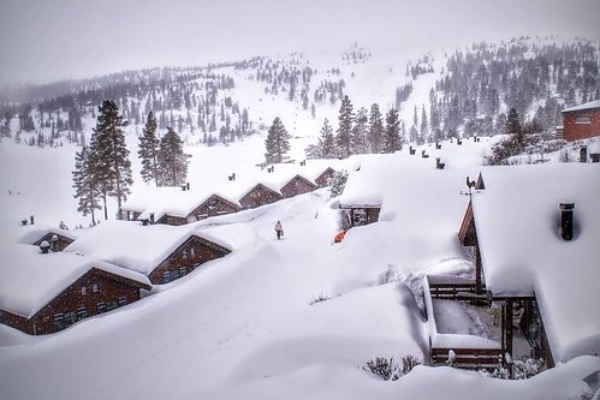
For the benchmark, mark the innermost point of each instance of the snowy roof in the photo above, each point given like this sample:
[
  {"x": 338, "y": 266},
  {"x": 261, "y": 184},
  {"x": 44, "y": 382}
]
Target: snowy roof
[
  {"x": 29, "y": 234},
  {"x": 174, "y": 201},
  {"x": 409, "y": 190},
  {"x": 142, "y": 248},
  {"x": 30, "y": 280},
  {"x": 517, "y": 218},
  {"x": 592, "y": 105}
]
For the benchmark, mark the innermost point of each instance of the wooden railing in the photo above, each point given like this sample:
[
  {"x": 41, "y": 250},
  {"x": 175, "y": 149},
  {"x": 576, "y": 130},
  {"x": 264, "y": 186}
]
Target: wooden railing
[{"x": 467, "y": 358}]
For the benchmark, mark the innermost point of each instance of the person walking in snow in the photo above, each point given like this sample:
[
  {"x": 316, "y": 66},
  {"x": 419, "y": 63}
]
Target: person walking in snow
[{"x": 278, "y": 229}]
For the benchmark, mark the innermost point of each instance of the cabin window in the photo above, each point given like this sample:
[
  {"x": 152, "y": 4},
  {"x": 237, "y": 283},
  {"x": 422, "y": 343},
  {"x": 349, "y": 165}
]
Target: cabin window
[
  {"x": 201, "y": 216},
  {"x": 95, "y": 287},
  {"x": 59, "y": 321},
  {"x": 184, "y": 254},
  {"x": 83, "y": 290},
  {"x": 166, "y": 276},
  {"x": 182, "y": 271},
  {"x": 101, "y": 307},
  {"x": 212, "y": 205},
  {"x": 583, "y": 120},
  {"x": 81, "y": 313},
  {"x": 193, "y": 252},
  {"x": 71, "y": 317},
  {"x": 121, "y": 301}
]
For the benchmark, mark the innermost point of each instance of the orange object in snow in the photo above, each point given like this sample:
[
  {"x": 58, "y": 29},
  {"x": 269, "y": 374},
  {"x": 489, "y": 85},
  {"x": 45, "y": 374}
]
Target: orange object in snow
[{"x": 339, "y": 237}]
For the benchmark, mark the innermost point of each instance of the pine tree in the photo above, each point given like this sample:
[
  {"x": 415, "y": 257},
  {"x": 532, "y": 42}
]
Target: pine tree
[
  {"x": 424, "y": 124},
  {"x": 5, "y": 128},
  {"x": 172, "y": 161},
  {"x": 513, "y": 125},
  {"x": 277, "y": 143},
  {"x": 344, "y": 132},
  {"x": 375, "y": 137},
  {"x": 327, "y": 141},
  {"x": 110, "y": 156},
  {"x": 359, "y": 132},
  {"x": 86, "y": 189},
  {"x": 392, "y": 140},
  {"x": 148, "y": 150}
]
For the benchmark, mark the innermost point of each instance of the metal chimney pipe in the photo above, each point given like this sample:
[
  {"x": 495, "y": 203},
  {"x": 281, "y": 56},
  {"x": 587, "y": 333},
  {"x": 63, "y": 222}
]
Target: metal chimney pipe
[{"x": 566, "y": 220}]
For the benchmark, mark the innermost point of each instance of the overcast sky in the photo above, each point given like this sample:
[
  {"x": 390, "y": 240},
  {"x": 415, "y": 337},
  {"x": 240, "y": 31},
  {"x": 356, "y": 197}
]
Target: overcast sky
[{"x": 42, "y": 40}]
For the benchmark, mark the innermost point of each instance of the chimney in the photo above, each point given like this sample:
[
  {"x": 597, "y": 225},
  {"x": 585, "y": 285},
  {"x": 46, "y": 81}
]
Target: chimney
[
  {"x": 187, "y": 186},
  {"x": 44, "y": 247},
  {"x": 144, "y": 222},
  {"x": 566, "y": 220},
  {"x": 151, "y": 218},
  {"x": 31, "y": 219}
]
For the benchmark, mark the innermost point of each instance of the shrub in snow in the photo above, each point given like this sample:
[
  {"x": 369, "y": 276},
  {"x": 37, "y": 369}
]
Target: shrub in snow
[
  {"x": 321, "y": 297},
  {"x": 521, "y": 369},
  {"x": 566, "y": 156},
  {"x": 338, "y": 182},
  {"x": 384, "y": 368},
  {"x": 409, "y": 362},
  {"x": 390, "y": 370}
]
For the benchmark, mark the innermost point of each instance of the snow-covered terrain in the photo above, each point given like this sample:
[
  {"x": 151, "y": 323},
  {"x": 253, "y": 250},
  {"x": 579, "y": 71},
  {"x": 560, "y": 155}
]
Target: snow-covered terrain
[
  {"x": 293, "y": 318},
  {"x": 251, "y": 325}
]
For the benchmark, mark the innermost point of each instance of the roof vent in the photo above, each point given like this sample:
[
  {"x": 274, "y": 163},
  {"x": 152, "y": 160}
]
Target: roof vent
[
  {"x": 44, "y": 247},
  {"x": 566, "y": 220}
]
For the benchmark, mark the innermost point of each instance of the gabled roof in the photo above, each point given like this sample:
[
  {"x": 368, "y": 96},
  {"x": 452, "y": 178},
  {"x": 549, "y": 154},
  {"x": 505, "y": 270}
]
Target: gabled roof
[
  {"x": 517, "y": 221},
  {"x": 30, "y": 234},
  {"x": 592, "y": 105},
  {"x": 30, "y": 280},
  {"x": 175, "y": 201},
  {"x": 133, "y": 246}
]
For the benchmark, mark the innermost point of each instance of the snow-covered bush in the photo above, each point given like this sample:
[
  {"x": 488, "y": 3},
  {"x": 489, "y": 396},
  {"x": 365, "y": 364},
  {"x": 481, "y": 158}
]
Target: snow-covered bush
[
  {"x": 388, "y": 370},
  {"x": 384, "y": 368},
  {"x": 409, "y": 362},
  {"x": 521, "y": 369},
  {"x": 338, "y": 182},
  {"x": 566, "y": 156},
  {"x": 321, "y": 297}
]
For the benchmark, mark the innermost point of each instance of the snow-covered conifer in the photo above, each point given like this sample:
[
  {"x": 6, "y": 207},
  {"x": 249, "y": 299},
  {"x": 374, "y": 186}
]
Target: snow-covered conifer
[
  {"x": 277, "y": 143},
  {"x": 148, "y": 150}
]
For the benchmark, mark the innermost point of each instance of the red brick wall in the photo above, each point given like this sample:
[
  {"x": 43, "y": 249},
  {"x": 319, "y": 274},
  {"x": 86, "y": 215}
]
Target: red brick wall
[
  {"x": 259, "y": 196},
  {"x": 72, "y": 300},
  {"x": 191, "y": 254},
  {"x": 574, "y": 131}
]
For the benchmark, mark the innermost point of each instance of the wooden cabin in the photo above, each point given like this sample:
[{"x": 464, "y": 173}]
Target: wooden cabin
[
  {"x": 521, "y": 284},
  {"x": 56, "y": 238},
  {"x": 192, "y": 253},
  {"x": 258, "y": 196},
  {"x": 297, "y": 185},
  {"x": 52, "y": 300},
  {"x": 324, "y": 178},
  {"x": 161, "y": 252},
  {"x": 211, "y": 207},
  {"x": 582, "y": 122}
]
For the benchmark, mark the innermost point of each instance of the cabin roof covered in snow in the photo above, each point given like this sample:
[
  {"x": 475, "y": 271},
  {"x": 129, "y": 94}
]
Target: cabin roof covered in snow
[
  {"x": 30, "y": 280},
  {"x": 29, "y": 234},
  {"x": 517, "y": 218},
  {"x": 142, "y": 248},
  {"x": 175, "y": 201},
  {"x": 592, "y": 105}
]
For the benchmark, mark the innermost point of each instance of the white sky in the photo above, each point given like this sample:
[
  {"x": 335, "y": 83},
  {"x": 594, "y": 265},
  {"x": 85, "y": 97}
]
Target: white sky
[{"x": 42, "y": 40}]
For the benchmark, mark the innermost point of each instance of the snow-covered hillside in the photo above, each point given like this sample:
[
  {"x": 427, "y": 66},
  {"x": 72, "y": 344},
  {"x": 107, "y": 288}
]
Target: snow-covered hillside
[{"x": 295, "y": 318}]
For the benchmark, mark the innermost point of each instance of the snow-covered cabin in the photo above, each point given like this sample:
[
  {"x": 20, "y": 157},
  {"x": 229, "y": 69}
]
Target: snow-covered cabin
[
  {"x": 582, "y": 122},
  {"x": 259, "y": 195},
  {"x": 534, "y": 233},
  {"x": 161, "y": 252},
  {"x": 44, "y": 293},
  {"x": 57, "y": 239},
  {"x": 174, "y": 206}
]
